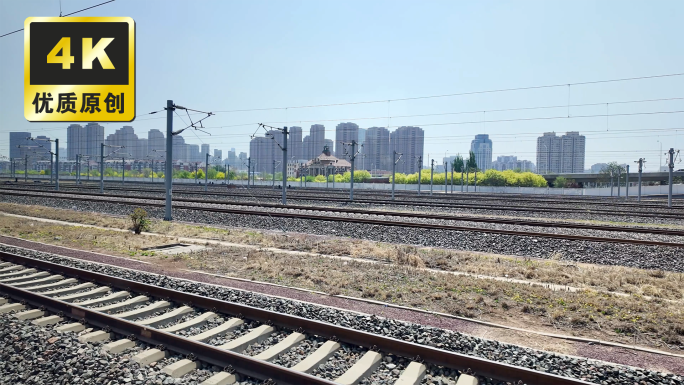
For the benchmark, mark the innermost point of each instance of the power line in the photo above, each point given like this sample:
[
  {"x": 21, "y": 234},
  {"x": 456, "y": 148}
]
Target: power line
[
  {"x": 68, "y": 14},
  {"x": 460, "y": 94}
]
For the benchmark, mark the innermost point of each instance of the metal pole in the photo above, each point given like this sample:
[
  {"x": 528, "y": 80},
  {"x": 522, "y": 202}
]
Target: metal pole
[
  {"x": 446, "y": 170},
  {"x": 432, "y": 171},
  {"x": 326, "y": 176},
  {"x": 461, "y": 180},
  {"x": 611, "y": 183},
  {"x": 618, "y": 180},
  {"x": 196, "y": 182},
  {"x": 26, "y": 168},
  {"x": 57, "y": 164},
  {"x": 78, "y": 169},
  {"x": 153, "y": 172},
  {"x": 627, "y": 183},
  {"x": 102, "y": 168},
  {"x": 168, "y": 174},
  {"x": 353, "y": 156},
  {"x": 284, "y": 192},
  {"x": 670, "y": 166},
  {"x": 641, "y": 163},
  {"x": 249, "y": 169},
  {"x": 420, "y": 171},
  {"x": 88, "y": 169},
  {"x": 225, "y": 176},
  {"x": 206, "y": 172},
  {"x": 123, "y": 170},
  {"x": 475, "y": 180},
  {"x": 394, "y": 169},
  {"x": 51, "y": 168},
  {"x": 452, "y": 178}
]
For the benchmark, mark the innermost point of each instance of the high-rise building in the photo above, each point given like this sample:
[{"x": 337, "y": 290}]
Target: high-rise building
[
  {"x": 377, "y": 149},
  {"x": 42, "y": 152},
  {"x": 345, "y": 133},
  {"x": 126, "y": 137},
  {"x": 194, "y": 153},
  {"x": 84, "y": 140},
  {"x": 505, "y": 162},
  {"x": 218, "y": 155},
  {"x": 180, "y": 149},
  {"x": 156, "y": 142},
  {"x": 204, "y": 150},
  {"x": 260, "y": 153},
  {"x": 482, "y": 147},
  {"x": 306, "y": 149},
  {"x": 408, "y": 141},
  {"x": 572, "y": 152},
  {"x": 294, "y": 143},
  {"x": 17, "y": 139},
  {"x": 563, "y": 154},
  {"x": 317, "y": 135}
]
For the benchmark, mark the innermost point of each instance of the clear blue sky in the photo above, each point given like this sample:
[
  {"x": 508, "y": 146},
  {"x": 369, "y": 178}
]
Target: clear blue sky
[{"x": 228, "y": 55}]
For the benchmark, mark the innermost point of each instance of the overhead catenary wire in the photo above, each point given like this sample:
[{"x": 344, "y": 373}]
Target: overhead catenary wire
[
  {"x": 461, "y": 93},
  {"x": 60, "y": 15}
]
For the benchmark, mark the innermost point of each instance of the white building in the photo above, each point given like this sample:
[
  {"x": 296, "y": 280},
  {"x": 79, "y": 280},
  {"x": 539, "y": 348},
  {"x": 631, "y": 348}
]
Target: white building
[
  {"x": 563, "y": 154},
  {"x": 482, "y": 147}
]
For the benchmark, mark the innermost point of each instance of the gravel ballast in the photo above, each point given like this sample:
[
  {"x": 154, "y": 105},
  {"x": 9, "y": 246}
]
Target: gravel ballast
[
  {"x": 591, "y": 370},
  {"x": 630, "y": 255}
]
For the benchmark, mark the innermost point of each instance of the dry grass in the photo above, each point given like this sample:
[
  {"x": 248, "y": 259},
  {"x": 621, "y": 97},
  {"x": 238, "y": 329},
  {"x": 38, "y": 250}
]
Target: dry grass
[
  {"x": 618, "y": 279},
  {"x": 586, "y": 313}
]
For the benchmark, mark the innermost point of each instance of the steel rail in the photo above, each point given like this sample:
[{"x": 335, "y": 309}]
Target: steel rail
[
  {"x": 431, "y": 226},
  {"x": 208, "y": 353},
  {"x": 444, "y": 198},
  {"x": 519, "y": 222}
]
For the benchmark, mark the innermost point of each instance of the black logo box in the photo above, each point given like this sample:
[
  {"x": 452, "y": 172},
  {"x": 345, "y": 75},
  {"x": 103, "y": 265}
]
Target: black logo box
[{"x": 45, "y": 36}]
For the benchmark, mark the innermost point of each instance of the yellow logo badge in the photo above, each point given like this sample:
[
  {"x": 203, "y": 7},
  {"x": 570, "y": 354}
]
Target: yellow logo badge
[{"x": 79, "y": 69}]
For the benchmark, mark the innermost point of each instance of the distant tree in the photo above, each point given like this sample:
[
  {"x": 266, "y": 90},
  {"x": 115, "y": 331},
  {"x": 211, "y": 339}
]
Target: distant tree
[
  {"x": 560, "y": 181},
  {"x": 471, "y": 165}
]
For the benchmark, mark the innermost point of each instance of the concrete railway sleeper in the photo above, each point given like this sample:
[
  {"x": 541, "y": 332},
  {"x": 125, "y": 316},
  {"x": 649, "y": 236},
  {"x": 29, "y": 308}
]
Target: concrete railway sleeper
[{"x": 124, "y": 314}]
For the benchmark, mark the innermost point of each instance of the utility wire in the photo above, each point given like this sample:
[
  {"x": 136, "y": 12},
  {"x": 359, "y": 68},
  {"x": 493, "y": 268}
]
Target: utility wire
[
  {"x": 462, "y": 93},
  {"x": 60, "y": 15}
]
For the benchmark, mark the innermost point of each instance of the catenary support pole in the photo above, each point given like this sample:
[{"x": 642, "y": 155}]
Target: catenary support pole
[
  {"x": 432, "y": 172},
  {"x": 641, "y": 166},
  {"x": 353, "y": 156},
  {"x": 206, "y": 173},
  {"x": 249, "y": 169},
  {"x": 284, "y": 178},
  {"x": 611, "y": 183},
  {"x": 123, "y": 170},
  {"x": 420, "y": 171},
  {"x": 619, "y": 177},
  {"x": 26, "y": 168},
  {"x": 102, "y": 168},
  {"x": 168, "y": 174},
  {"x": 475, "y": 180},
  {"x": 627, "y": 182},
  {"x": 394, "y": 170},
  {"x": 670, "y": 167},
  {"x": 446, "y": 170},
  {"x": 57, "y": 164},
  {"x": 452, "y": 178}
]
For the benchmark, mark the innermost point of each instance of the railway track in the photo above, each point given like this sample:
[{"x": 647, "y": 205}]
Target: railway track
[
  {"x": 124, "y": 313},
  {"x": 465, "y": 218},
  {"x": 650, "y": 213},
  {"x": 369, "y": 221},
  {"x": 362, "y": 195},
  {"x": 370, "y": 196}
]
